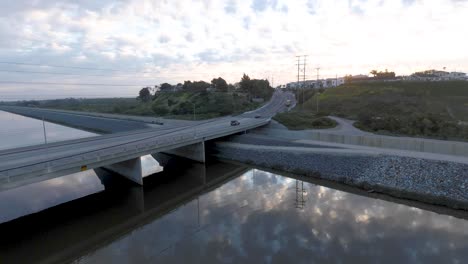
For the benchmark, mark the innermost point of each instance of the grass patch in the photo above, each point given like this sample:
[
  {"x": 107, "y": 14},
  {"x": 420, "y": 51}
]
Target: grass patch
[
  {"x": 420, "y": 109},
  {"x": 303, "y": 120}
]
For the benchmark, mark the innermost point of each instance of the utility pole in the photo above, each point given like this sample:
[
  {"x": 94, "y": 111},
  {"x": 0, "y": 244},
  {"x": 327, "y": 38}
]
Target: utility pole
[
  {"x": 43, "y": 126},
  {"x": 304, "y": 79},
  {"x": 318, "y": 75},
  {"x": 194, "y": 112},
  {"x": 298, "y": 68},
  {"x": 304, "y": 70}
]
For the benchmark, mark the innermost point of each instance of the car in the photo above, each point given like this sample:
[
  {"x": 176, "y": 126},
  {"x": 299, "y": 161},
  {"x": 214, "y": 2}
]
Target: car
[
  {"x": 235, "y": 123},
  {"x": 258, "y": 116}
]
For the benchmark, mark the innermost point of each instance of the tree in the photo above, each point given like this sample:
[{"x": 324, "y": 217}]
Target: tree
[
  {"x": 348, "y": 78},
  {"x": 199, "y": 86},
  {"x": 256, "y": 87},
  {"x": 219, "y": 84},
  {"x": 165, "y": 87},
  {"x": 383, "y": 74},
  {"x": 160, "y": 110},
  {"x": 145, "y": 95},
  {"x": 245, "y": 84},
  {"x": 231, "y": 88}
]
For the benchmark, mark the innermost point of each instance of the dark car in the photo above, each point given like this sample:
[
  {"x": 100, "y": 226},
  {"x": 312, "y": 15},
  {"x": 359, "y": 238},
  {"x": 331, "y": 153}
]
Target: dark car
[
  {"x": 258, "y": 116},
  {"x": 235, "y": 123}
]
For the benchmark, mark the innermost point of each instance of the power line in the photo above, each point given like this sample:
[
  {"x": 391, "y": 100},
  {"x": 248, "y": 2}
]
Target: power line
[
  {"x": 75, "y": 84},
  {"x": 56, "y": 66},
  {"x": 60, "y": 97},
  {"x": 56, "y": 73},
  {"x": 99, "y": 69},
  {"x": 130, "y": 75}
]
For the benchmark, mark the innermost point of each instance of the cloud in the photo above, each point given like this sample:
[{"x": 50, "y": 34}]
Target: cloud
[
  {"x": 260, "y": 37},
  {"x": 164, "y": 39},
  {"x": 284, "y": 9},
  {"x": 408, "y": 2},
  {"x": 230, "y": 7},
  {"x": 246, "y": 22},
  {"x": 259, "y": 5},
  {"x": 189, "y": 37}
]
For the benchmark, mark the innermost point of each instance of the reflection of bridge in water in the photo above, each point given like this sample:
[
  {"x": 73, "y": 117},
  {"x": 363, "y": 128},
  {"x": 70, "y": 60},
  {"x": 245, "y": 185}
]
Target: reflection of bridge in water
[{"x": 62, "y": 233}]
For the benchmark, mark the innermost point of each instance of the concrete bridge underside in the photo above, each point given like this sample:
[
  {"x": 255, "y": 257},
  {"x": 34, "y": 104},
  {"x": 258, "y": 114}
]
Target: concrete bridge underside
[{"x": 138, "y": 168}]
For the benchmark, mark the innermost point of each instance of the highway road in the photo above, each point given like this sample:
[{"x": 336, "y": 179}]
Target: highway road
[{"x": 37, "y": 163}]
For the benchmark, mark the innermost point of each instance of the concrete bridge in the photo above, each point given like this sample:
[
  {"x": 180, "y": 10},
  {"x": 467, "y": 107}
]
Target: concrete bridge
[{"x": 125, "y": 152}]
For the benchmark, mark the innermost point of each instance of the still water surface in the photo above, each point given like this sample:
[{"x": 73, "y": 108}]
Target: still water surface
[
  {"x": 224, "y": 213},
  {"x": 19, "y": 131}
]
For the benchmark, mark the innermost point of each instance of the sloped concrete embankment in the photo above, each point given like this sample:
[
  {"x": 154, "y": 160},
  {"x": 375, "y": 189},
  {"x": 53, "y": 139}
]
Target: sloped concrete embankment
[
  {"x": 435, "y": 182},
  {"x": 402, "y": 143}
]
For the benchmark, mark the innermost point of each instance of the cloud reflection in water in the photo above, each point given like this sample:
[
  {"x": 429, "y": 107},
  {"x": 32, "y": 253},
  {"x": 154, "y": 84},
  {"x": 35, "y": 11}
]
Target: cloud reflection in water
[{"x": 254, "y": 219}]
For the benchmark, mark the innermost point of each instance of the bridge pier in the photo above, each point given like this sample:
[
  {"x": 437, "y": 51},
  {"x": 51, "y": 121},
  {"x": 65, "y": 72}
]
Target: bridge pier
[
  {"x": 136, "y": 169},
  {"x": 194, "y": 152}
]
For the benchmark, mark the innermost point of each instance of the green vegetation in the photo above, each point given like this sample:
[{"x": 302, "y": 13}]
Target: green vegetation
[
  {"x": 423, "y": 109},
  {"x": 103, "y": 105},
  {"x": 380, "y": 75},
  {"x": 206, "y": 100},
  {"x": 205, "y": 104},
  {"x": 301, "y": 120}
]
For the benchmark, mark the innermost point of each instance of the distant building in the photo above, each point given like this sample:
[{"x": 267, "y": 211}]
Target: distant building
[
  {"x": 436, "y": 75},
  {"x": 457, "y": 75},
  {"x": 315, "y": 84}
]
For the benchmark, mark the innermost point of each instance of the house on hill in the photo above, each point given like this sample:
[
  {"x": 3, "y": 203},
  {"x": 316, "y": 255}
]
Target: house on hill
[{"x": 436, "y": 75}]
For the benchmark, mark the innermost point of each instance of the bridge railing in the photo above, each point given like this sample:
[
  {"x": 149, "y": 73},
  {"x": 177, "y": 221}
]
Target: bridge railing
[{"x": 96, "y": 158}]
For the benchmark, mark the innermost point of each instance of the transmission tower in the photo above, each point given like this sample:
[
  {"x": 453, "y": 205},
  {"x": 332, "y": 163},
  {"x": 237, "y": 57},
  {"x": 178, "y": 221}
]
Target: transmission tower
[
  {"x": 301, "y": 67},
  {"x": 300, "y": 200}
]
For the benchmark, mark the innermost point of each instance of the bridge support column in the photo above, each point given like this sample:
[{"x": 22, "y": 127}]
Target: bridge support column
[
  {"x": 194, "y": 152},
  {"x": 136, "y": 169}
]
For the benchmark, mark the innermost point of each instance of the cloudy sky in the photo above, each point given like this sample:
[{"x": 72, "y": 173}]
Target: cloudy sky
[{"x": 134, "y": 43}]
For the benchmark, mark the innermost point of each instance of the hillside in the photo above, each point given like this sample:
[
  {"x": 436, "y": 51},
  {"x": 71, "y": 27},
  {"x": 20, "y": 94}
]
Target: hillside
[
  {"x": 207, "y": 105},
  {"x": 431, "y": 109}
]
